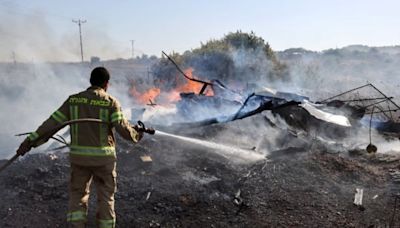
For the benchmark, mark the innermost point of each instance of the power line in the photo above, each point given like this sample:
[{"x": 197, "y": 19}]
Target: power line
[{"x": 79, "y": 22}]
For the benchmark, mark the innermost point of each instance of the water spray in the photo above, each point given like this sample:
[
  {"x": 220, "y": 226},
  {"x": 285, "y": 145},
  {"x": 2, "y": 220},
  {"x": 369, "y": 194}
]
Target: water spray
[{"x": 226, "y": 151}]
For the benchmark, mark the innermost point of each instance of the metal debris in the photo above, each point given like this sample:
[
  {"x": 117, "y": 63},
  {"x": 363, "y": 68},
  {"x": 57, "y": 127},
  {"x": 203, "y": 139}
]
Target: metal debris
[
  {"x": 368, "y": 99},
  {"x": 146, "y": 158},
  {"x": 148, "y": 195},
  {"x": 237, "y": 200},
  {"x": 325, "y": 116},
  {"x": 53, "y": 157},
  {"x": 358, "y": 196}
]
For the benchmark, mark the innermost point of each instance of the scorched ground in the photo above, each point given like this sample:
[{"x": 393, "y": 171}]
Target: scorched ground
[{"x": 188, "y": 185}]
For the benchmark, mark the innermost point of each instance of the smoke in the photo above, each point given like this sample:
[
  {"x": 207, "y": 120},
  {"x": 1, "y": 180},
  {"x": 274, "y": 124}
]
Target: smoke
[
  {"x": 27, "y": 36},
  {"x": 251, "y": 66},
  {"x": 339, "y": 70},
  {"x": 266, "y": 133},
  {"x": 32, "y": 84},
  {"x": 96, "y": 42},
  {"x": 321, "y": 75},
  {"x": 253, "y": 133},
  {"x": 234, "y": 154},
  {"x": 246, "y": 70},
  {"x": 242, "y": 70},
  {"x": 358, "y": 141},
  {"x": 25, "y": 89},
  {"x": 317, "y": 75},
  {"x": 29, "y": 93}
]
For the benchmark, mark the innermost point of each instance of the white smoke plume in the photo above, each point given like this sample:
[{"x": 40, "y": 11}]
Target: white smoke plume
[
  {"x": 330, "y": 72},
  {"x": 29, "y": 93},
  {"x": 27, "y": 36},
  {"x": 35, "y": 76}
]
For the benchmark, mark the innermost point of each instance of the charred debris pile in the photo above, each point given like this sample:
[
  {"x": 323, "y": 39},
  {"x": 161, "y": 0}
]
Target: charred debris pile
[
  {"x": 313, "y": 173},
  {"x": 318, "y": 167},
  {"x": 349, "y": 113},
  {"x": 340, "y": 154}
]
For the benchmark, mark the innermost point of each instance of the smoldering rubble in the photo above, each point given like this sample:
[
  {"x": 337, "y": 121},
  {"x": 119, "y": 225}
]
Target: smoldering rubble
[
  {"x": 313, "y": 159},
  {"x": 223, "y": 158}
]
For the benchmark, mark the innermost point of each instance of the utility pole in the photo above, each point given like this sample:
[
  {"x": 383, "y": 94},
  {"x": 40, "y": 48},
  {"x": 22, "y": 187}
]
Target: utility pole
[
  {"x": 14, "y": 57},
  {"x": 79, "y": 22},
  {"x": 133, "y": 48}
]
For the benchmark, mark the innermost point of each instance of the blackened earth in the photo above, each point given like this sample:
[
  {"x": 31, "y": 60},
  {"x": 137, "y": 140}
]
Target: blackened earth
[{"x": 190, "y": 186}]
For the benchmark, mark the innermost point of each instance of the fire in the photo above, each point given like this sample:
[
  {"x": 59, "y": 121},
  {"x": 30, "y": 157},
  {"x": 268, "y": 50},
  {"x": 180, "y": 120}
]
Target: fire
[
  {"x": 193, "y": 86},
  {"x": 190, "y": 86},
  {"x": 144, "y": 98},
  {"x": 172, "y": 95}
]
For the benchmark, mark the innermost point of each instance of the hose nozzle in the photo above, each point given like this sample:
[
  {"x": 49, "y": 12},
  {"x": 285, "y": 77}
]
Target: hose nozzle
[{"x": 143, "y": 128}]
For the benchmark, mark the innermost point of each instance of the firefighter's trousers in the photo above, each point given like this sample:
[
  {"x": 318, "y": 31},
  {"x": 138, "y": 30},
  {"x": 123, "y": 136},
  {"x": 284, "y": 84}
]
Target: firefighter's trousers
[{"x": 104, "y": 178}]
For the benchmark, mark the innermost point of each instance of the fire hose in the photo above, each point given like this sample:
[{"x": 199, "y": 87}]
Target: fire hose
[{"x": 139, "y": 127}]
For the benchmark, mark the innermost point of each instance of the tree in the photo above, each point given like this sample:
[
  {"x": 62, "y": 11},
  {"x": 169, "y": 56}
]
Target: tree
[{"x": 238, "y": 56}]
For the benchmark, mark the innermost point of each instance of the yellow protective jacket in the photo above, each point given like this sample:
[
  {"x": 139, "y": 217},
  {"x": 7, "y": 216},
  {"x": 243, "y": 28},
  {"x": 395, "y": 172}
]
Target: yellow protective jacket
[{"x": 92, "y": 144}]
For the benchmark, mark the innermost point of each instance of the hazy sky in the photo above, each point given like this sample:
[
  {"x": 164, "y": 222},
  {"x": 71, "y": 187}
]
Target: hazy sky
[{"x": 178, "y": 25}]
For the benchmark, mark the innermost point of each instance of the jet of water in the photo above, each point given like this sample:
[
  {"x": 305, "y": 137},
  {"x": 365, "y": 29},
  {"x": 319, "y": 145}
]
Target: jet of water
[{"x": 229, "y": 152}]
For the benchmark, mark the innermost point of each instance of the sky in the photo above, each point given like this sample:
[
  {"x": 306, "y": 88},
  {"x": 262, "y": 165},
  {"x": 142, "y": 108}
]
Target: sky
[{"x": 43, "y": 29}]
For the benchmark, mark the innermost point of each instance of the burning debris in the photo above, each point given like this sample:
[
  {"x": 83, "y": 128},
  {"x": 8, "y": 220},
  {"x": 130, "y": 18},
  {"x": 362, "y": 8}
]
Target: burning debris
[
  {"x": 192, "y": 79},
  {"x": 199, "y": 102},
  {"x": 225, "y": 104}
]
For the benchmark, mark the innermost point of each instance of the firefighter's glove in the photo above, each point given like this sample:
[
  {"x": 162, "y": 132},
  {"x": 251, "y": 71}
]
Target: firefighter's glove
[
  {"x": 136, "y": 127},
  {"x": 140, "y": 134},
  {"x": 24, "y": 148},
  {"x": 139, "y": 131}
]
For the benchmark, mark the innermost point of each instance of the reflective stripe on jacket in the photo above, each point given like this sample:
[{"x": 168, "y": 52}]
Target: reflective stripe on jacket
[{"x": 91, "y": 143}]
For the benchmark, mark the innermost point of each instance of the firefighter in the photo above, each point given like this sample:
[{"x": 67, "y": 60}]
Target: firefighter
[{"x": 92, "y": 150}]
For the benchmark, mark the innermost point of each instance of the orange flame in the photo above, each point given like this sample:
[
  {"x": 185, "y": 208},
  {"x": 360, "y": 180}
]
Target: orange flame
[
  {"x": 189, "y": 86},
  {"x": 173, "y": 95},
  {"x": 144, "y": 98}
]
